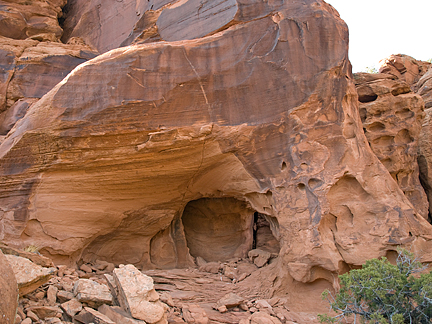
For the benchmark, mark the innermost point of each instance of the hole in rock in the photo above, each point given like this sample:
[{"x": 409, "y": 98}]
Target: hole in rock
[
  {"x": 263, "y": 235},
  {"x": 219, "y": 229},
  {"x": 376, "y": 127},
  {"x": 367, "y": 98}
]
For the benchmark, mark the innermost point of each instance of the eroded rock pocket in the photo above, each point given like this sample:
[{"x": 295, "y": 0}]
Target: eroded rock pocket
[{"x": 219, "y": 229}]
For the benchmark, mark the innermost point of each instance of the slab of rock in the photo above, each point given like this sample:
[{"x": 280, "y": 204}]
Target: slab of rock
[
  {"x": 392, "y": 117},
  {"x": 263, "y": 318},
  {"x": 72, "y": 307},
  {"x": 113, "y": 288},
  {"x": 52, "y": 294},
  {"x": 137, "y": 294},
  {"x": 259, "y": 257},
  {"x": 64, "y": 296},
  {"x": 44, "y": 311},
  {"x": 29, "y": 275},
  {"x": 91, "y": 292},
  {"x": 89, "y": 315},
  {"x": 230, "y": 300},
  {"x": 194, "y": 314},
  {"x": 118, "y": 315},
  {"x": 8, "y": 292},
  {"x": 34, "y": 257}
]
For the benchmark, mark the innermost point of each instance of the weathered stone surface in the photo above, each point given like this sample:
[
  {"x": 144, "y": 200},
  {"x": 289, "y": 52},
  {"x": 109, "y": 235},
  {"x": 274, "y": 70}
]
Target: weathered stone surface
[
  {"x": 230, "y": 300},
  {"x": 52, "y": 294},
  {"x": 109, "y": 24},
  {"x": 263, "y": 318},
  {"x": 205, "y": 225},
  {"x": 20, "y": 19},
  {"x": 72, "y": 307},
  {"x": 137, "y": 295},
  {"x": 263, "y": 112},
  {"x": 34, "y": 257},
  {"x": 45, "y": 311},
  {"x": 392, "y": 117},
  {"x": 89, "y": 291},
  {"x": 259, "y": 257},
  {"x": 404, "y": 67},
  {"x": 195, "y": 18},
  {"x": 118, "y": 315},
  {"x": 424, "y": 88},
  {"x": 8, "y": 292},
  {"x": 30, "y": 70},
  {"x": 29, "y": 276},
  {"x": 89, "y": 315},
  {"x": 425, "y": 155},
  {"x": 194, "y": 314}
]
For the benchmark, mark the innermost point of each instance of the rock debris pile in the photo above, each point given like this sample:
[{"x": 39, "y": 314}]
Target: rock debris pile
[{"x": 104, "y": 294}]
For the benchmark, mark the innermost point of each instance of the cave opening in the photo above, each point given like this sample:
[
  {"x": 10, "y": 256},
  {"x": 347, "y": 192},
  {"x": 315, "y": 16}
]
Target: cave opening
[{"x": 219, "y": 229}]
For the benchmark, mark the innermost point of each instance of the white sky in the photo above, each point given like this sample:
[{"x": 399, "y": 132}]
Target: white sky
[{"x": 379, "y": 28}]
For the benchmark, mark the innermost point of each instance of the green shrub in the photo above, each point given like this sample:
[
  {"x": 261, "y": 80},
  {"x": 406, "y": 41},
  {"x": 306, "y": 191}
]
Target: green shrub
[{"x": 383, "y": 293}]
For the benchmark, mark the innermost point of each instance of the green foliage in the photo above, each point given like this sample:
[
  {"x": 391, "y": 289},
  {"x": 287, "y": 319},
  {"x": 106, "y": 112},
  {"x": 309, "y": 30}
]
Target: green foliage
[
  {"x": 430, "y": 60},
  {"x": 382, "y": 293}
]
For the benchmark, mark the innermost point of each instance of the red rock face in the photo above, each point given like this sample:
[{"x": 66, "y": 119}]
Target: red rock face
[
  {"x": 20, "y": 19},
  {"x": 258, "y": 110},
  {"x": 392, "y": 117}
]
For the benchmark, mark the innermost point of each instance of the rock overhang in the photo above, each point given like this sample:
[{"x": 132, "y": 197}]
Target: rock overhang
[{"x": 263, "y": 112}]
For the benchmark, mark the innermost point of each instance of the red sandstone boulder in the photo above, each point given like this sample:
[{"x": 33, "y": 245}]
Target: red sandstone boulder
[{"x": 8, "y": 292}]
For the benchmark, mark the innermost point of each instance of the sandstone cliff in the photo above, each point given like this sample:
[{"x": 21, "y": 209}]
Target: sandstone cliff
[{"x": 169, "y": 150}]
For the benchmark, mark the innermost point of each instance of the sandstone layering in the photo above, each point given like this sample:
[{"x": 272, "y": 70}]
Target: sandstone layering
[{"x": 205, "y": 129}]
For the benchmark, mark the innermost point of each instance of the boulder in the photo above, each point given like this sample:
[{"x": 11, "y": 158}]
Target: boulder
[
  {"x": 259, "y": 257},
  {"x": 8, "y": 292},
  {"x": 71, "y": 307},
  {"x": 91, "y": 292},
  {"x": 36, "y": 258},
  {"x": 137, "y": 295},
  {"x": 230, "y": 300},
  {"x": 392, "y": 118},
  {"x": 29, "y": 275}
]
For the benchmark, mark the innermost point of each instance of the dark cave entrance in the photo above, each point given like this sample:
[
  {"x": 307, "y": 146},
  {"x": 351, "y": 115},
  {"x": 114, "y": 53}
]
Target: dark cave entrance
[
  {"x": 263, "y": 234},
  {"x": 219, "y": 229}
]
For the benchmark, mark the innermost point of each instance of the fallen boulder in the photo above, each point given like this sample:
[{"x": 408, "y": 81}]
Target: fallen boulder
[
  {"x": 29, "y": 275},
  {"x": 8, "y": 292},
  {"x": 137, "y": 294},
  {"x": 92, "y": 293}
]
